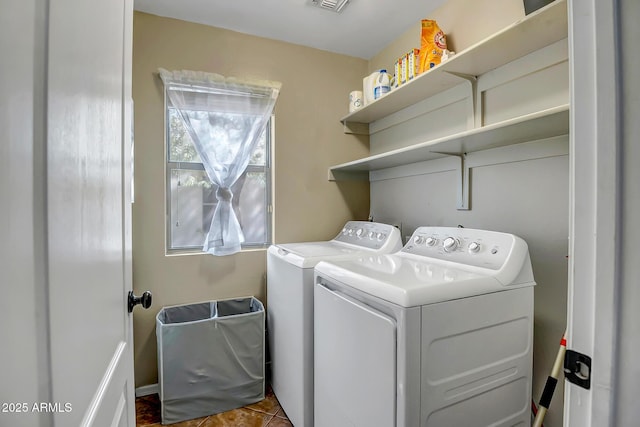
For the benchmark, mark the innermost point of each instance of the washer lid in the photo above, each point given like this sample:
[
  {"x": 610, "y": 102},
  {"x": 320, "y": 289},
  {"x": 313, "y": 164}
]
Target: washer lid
[
  {"x": 408, "y": 280},
  {"x": 307, "y": 255}
]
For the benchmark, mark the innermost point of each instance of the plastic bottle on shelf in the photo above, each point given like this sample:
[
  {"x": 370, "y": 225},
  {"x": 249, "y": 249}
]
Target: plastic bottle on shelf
[{"x": 382, "y": 84}]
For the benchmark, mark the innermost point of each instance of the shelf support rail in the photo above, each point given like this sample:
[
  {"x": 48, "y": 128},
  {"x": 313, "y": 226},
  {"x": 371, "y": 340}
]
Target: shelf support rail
[
  {"x": 475, "y": 116},
  {"x": 463, "y": 180},
  {"x": 355, "y": 128}
]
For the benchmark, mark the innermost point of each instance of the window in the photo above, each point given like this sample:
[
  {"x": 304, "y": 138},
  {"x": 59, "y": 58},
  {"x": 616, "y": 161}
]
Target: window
[{"x": 191, "y": 197}]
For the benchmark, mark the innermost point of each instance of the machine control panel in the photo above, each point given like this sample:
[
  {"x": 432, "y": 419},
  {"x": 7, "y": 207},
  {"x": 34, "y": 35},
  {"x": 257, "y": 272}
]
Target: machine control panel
[
  {"x": 480, "y": 248},
  {"x": 371, "y": 235}
]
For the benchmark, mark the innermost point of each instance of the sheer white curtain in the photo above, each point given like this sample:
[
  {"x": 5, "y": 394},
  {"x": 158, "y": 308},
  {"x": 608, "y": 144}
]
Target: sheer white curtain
[{"x": 225, "y": 118}]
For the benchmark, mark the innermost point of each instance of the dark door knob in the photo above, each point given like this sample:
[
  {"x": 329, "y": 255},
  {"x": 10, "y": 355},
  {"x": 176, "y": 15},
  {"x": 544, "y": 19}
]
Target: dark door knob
[{"x": 144, "y": 300}]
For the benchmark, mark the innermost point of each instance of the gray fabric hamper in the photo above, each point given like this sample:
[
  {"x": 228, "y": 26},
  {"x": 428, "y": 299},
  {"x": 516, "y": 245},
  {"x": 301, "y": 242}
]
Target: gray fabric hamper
[{"x": 210, "y": 357}]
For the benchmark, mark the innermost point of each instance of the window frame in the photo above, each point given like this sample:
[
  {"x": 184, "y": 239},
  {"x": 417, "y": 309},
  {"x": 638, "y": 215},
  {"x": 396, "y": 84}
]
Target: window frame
[{"x": 198, "y": 166}]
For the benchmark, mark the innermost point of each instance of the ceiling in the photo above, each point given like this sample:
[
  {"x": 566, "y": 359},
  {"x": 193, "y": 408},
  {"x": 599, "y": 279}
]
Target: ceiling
[{"x": 362, "y": 29}]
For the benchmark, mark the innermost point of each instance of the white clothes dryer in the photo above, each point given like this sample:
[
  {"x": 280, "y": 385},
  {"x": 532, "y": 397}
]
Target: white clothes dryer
[
  {"x": 438, "y": 334},
  {"x": 290, "y": 307}
]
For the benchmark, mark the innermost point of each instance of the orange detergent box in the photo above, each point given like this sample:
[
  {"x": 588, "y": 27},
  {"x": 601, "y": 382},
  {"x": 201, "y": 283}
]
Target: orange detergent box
[{"x": 433, "y": 43}]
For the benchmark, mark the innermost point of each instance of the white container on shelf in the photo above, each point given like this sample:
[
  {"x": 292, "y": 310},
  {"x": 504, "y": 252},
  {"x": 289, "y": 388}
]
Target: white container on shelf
[
  {"x": 382, "y": 84},
  {"x": 355, "y": 100},
  {"x": 378, "y": 79},
  {"x": 367, "y": 88}
]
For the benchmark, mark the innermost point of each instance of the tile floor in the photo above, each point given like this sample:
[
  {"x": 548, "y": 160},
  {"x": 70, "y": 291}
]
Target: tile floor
[{"x": 262, "y": 414}]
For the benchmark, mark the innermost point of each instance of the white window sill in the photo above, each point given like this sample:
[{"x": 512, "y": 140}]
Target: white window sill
[{"x": 189, "y": 252}]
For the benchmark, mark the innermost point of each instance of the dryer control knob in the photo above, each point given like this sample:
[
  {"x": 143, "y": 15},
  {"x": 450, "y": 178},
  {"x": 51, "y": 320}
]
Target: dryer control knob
[
  {"x": 431, "y": 241},
  {"x": 474, "y": 247},
  {"x": 450, "y": 244}
]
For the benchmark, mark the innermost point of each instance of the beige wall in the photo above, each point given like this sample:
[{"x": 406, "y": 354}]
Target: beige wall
[
  {"x": 464, "y": 23},
  {"x": 308, "y": 139}
]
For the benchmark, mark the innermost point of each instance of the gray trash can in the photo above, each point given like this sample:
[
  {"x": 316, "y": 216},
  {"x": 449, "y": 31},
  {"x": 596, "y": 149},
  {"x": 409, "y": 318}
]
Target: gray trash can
[{"x": 210, "y": 357}]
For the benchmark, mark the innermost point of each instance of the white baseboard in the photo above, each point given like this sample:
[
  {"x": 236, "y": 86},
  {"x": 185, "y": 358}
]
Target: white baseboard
[{"x": 146, "y": 390}]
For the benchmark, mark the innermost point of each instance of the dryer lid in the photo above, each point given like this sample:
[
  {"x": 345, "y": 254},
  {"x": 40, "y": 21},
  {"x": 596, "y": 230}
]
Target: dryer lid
[{"x": 408, "y": 281}]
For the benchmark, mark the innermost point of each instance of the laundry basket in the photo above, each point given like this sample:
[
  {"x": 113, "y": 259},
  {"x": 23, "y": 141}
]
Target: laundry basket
[{"x": 210, "y": 357}]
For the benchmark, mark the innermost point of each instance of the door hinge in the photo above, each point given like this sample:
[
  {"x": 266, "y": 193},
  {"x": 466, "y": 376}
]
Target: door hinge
[{"x": 577, "y": 369}]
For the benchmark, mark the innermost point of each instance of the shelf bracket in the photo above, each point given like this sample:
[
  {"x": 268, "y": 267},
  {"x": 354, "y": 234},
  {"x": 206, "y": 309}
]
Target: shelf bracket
[
  {"x": 340, "y": 175},
  {"x": 475, "y": 116},
  {"x": 355, "y": 128},
  {"x": 463, "y": 180}
]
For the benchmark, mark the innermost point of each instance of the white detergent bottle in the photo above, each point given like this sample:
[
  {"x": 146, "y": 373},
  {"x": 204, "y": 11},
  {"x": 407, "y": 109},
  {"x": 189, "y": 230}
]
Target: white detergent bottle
[{"x": 382, "y": 84}]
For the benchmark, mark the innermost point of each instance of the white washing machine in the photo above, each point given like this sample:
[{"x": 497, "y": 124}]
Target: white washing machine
[
  {"x": 438, "y": 334},
  {"x": 290, "y": 307}
]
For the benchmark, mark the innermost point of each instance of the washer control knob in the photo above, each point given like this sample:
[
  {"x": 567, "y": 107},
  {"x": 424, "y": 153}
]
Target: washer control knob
[
  {"x": 344, "y": 231},
  {"x": 371, "y": 235},
  {"x": 450, "y": 244},
  {"x": 431, "y": 241},
  {"x": 418, "y": 240},
  {"x": 474, "y": 247},
  {"x": 350, "y": 232},
  {"x": 359, "y": 232},
  {"x": 381, "y": 236}
]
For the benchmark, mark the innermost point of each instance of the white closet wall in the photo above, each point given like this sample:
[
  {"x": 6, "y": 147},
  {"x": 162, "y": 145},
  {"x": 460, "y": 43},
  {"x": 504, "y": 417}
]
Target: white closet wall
[{"x": 488, "y": 153}]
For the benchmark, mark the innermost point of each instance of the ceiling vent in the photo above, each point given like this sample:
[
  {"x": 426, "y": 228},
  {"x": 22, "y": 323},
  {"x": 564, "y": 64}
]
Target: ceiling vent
[{"x": 332, "y": 5}]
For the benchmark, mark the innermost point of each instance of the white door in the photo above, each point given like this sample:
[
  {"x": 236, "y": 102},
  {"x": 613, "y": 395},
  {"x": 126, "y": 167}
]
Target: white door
[
  {"x": 89, "y": 221},
  {"x": 66, "y": 356},
  {"x": 603, "y": 317}
]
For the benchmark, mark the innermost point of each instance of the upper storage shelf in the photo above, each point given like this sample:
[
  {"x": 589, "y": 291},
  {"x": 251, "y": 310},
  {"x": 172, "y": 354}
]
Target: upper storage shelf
[
  {"x": 540, "y": 125},
  {"x": 536, "y": 31}
]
